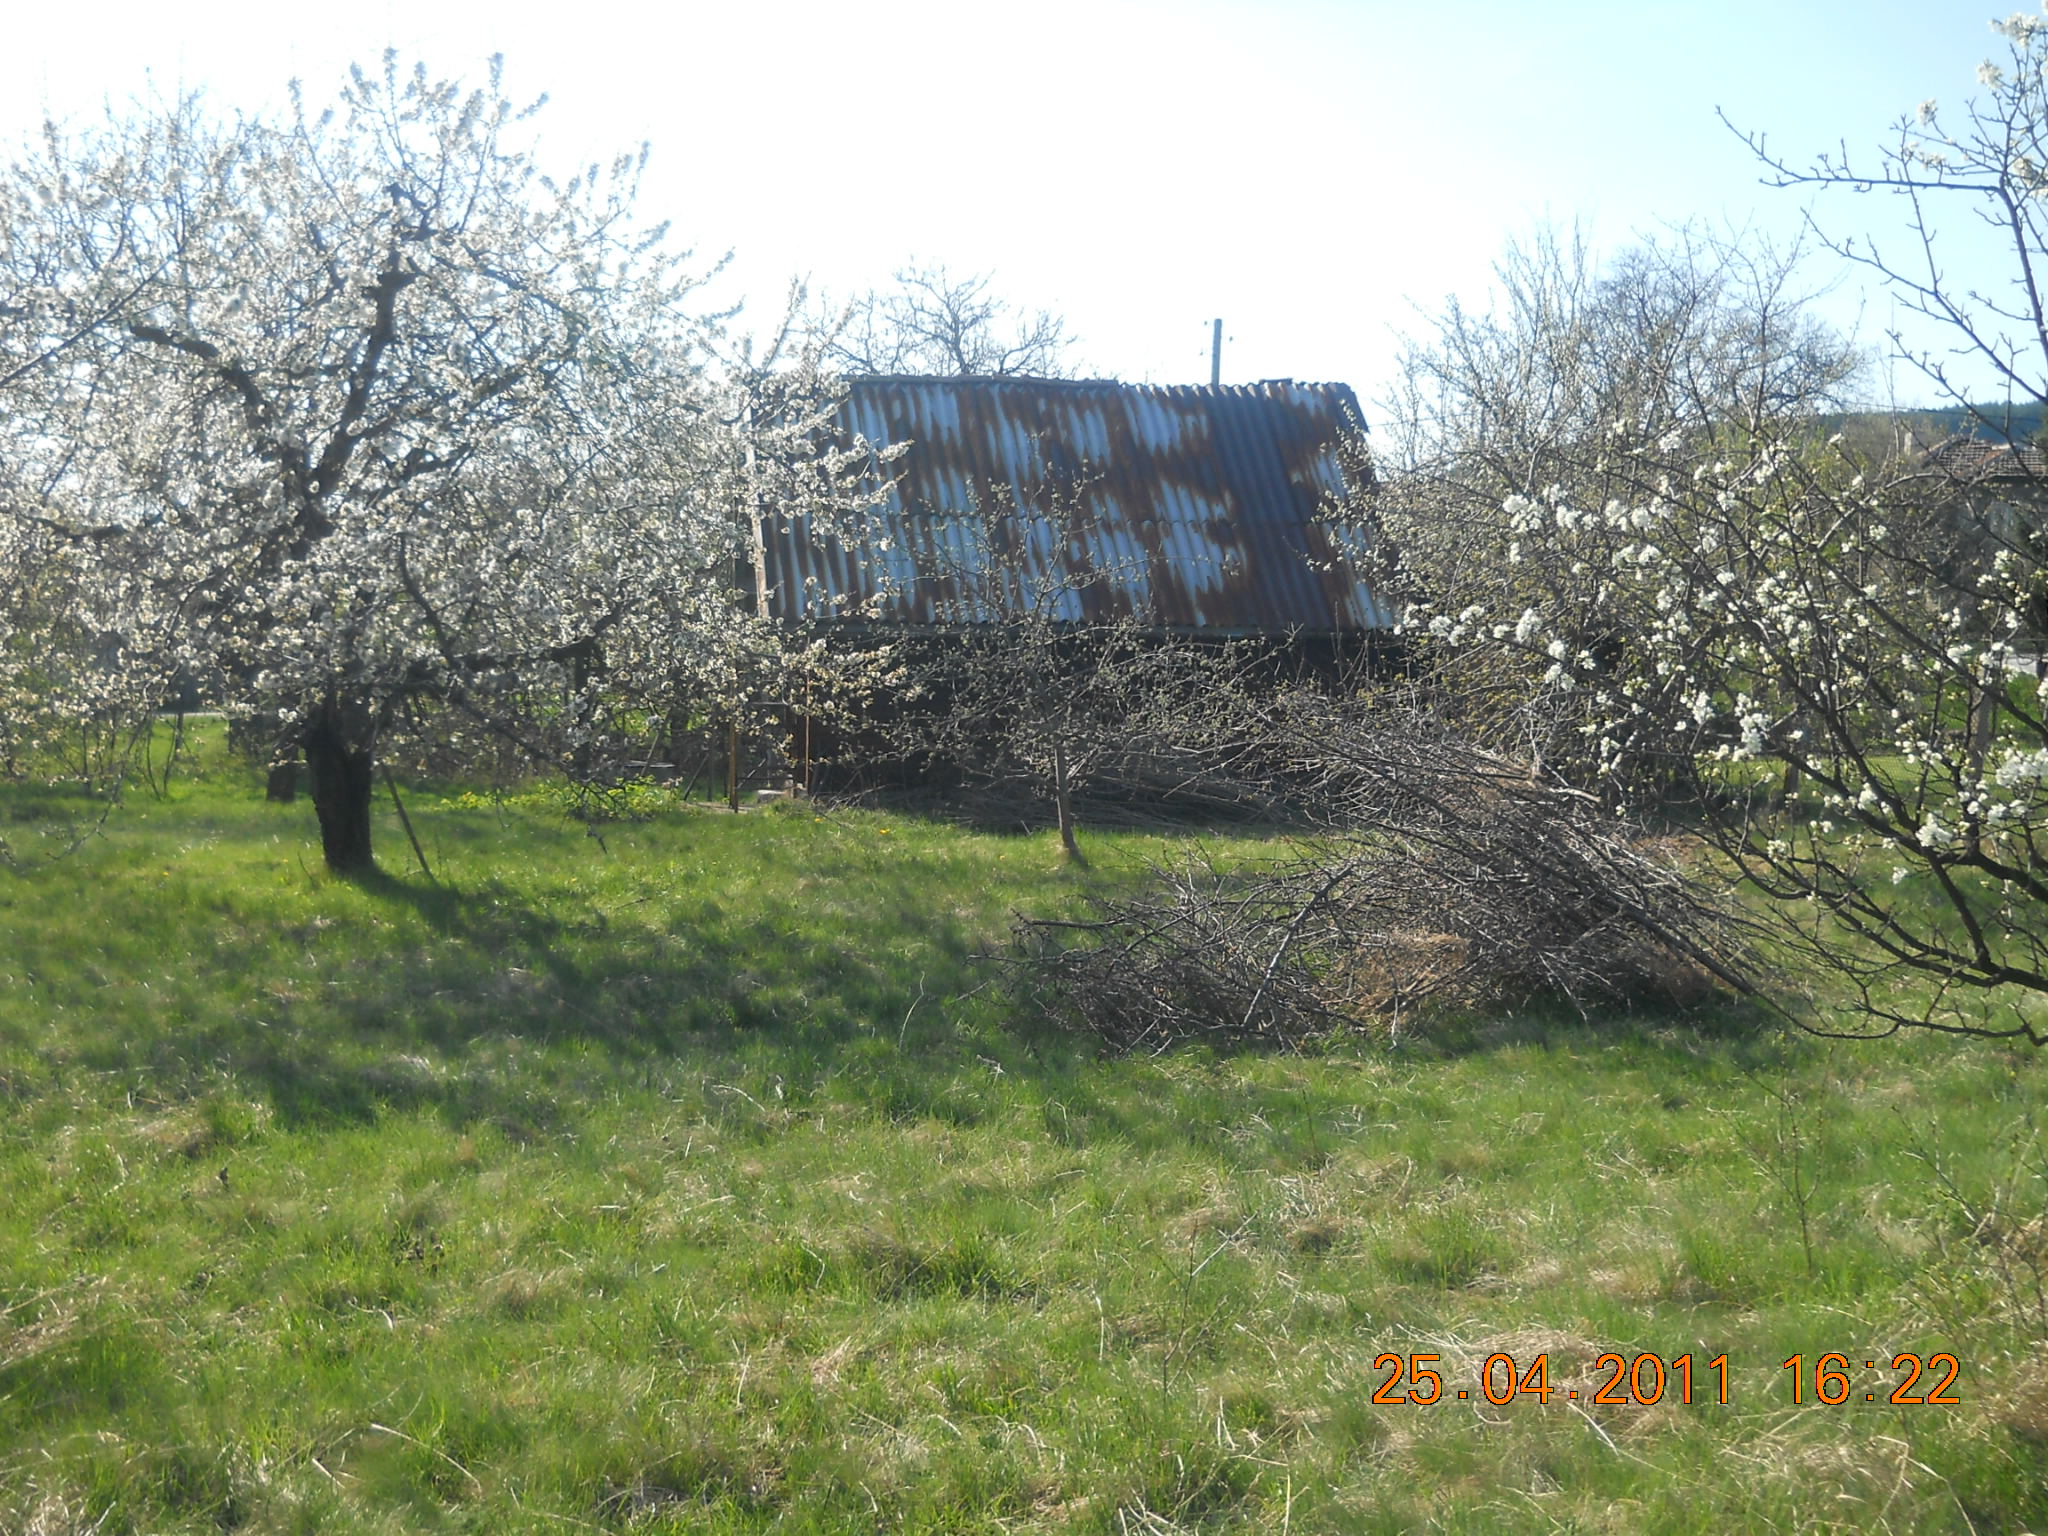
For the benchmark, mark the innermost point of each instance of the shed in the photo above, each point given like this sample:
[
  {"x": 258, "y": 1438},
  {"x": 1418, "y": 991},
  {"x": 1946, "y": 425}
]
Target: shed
[{"x": 1188, "y": 510}]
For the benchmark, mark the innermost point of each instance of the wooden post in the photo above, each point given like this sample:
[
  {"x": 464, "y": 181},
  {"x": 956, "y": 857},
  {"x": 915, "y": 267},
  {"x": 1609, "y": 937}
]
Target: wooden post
[
  {"x": 807, "y": 736},
  {"x": 406, "y": 821},
  {"x": 1983, "y": 732},
  {"x": 732, "y": 763}
]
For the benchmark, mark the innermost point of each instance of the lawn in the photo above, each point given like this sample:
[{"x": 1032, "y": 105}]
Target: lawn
[{"x": 700, "y": 1177}]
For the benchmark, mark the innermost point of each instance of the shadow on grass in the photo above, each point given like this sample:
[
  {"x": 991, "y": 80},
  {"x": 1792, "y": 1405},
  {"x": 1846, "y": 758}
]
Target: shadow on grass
[
  {"x": 488, "y": 1003},
  {"x": 483, "y": 1001},
  {"x": 1737, "y": 1030}
]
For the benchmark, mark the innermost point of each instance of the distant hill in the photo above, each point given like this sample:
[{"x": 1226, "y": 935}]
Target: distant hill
[
  {"x": 2021, "y": 423},
  {"x": 1878, "y": 430}
]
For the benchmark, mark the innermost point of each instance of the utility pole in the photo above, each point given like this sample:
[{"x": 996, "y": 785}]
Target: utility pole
[{"x": 1216, "y": 356}]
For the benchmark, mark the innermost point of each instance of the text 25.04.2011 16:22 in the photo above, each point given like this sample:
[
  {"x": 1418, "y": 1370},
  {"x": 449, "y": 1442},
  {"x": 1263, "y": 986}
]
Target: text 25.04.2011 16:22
[{"x": 1643, "y": 1379}]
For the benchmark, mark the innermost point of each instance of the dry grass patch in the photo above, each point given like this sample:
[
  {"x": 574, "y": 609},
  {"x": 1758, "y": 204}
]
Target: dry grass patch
[
  {"x": 2022, "y": 1407},
  {"x": 39, "y": 1324},
  {"x": 522, "y": 1294}
]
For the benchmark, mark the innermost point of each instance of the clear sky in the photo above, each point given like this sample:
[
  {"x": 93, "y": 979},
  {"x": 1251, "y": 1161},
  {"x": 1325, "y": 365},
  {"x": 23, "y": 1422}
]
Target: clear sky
[{"x": 1316, "y": 172}]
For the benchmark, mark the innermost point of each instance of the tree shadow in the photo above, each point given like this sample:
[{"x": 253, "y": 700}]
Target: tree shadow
[
  {"x": 486, "y": 1003},
  {"x": 1740, "y": 1031},
  {"x": 480, "y": 1002}
]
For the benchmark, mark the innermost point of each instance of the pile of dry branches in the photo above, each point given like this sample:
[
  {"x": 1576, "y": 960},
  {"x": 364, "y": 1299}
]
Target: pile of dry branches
[{"x": 1440, "y": 874}]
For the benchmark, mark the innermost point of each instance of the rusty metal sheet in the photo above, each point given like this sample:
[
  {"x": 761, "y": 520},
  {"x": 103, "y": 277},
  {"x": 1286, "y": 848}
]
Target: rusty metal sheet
[{"x": 1186, "y": 508}]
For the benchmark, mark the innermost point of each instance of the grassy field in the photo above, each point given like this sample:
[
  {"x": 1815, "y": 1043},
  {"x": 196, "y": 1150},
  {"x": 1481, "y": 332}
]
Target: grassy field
[{"x": 699, "y": 1180}]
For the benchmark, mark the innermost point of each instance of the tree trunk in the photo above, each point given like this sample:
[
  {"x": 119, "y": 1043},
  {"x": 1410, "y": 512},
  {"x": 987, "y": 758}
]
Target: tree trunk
[
  {"x": 338, "y": 761},
  {"x": 1063, "y": 800},
  {"x": 281, "y": 787}
]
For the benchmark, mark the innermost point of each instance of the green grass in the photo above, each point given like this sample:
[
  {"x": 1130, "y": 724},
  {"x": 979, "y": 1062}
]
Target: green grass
[{"x": 698, "y": 1180}]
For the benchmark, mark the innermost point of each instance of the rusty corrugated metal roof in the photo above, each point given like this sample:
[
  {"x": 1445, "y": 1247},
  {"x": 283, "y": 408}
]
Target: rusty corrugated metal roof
[{"x": 1185, "y": 508}]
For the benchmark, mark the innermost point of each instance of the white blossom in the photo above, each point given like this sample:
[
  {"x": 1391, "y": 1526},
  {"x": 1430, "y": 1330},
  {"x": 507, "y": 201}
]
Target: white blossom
[{"x": 387, "y": 431}]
